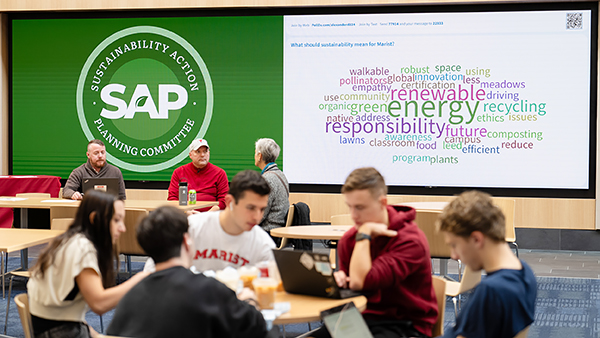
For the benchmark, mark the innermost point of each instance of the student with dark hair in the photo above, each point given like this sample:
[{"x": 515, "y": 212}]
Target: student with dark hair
[
  {"x": 76, "y": 271},
  {"x": 503, "y": 304},
  {"x": 230, "y": 237},
  {"x": 173, "y": 301}
]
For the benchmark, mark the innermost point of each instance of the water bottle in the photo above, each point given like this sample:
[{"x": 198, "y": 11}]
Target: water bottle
[{"x": 183, "y": 193}]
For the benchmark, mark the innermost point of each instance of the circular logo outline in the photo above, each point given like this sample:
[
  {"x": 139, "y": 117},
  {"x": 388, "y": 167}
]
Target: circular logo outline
[{"x": 205, "y": 74}]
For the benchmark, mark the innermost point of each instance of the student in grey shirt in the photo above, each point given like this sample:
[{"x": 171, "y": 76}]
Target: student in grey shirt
[{"x": 95, "y": 167}]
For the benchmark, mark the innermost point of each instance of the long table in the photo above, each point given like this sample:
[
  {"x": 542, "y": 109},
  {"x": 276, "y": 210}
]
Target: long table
[
  {"x": 308, "y": 309},
  {"x": 11, "y": 185},
  {"x": 18, "y": 239},
  {"x": 47, "y": 203}
]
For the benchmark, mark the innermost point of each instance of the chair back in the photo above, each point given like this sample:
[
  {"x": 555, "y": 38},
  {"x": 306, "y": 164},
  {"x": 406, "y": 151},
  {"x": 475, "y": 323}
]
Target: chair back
[
  {"x": 23, "y": 307},
  {"x": 33, "y": 195},
  {"x": 128, "y": 244},
  {"x": 508, "y": 209},
  {"x": 425, "y": 220},
  {"x": 469, "y": 280},
  {"x": 63, "y": 212},
  {"x": 523, "y": 333},
  {"x": 61, "y": 223},
  {"x": 439, "y": 286},
  {"x": 288, "y": 222},
  {"x": 344, "y": 219}
]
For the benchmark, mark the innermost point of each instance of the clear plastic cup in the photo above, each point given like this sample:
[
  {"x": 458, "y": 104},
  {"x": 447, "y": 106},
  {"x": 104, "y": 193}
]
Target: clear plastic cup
[
  {"x": 247, "y": 275},
  {"x": 229, "y": 277},
  {"x": 274, "y": 273},
  {"x": 265, "y": 289}
]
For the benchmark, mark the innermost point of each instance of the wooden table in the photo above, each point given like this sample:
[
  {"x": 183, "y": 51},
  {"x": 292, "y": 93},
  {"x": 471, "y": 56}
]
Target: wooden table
[
  {"x": 308, "y": 308},
  {"x": 47, "y": 203},
  {"x": 435, "y": 206},
  {"x": 153, "y": 204},
  {"x": 332, "y": 232},
  {"x": 327, "y": 232},
  {"x": 15, "y": 184},
  {"x": 18, "y": 239}
]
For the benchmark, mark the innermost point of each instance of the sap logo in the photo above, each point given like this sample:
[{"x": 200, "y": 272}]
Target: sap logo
[{"x": 141, "y": 101}]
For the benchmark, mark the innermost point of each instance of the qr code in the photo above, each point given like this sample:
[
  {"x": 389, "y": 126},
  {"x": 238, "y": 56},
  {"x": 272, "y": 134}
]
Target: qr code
[{"x": 574, "y": 20}]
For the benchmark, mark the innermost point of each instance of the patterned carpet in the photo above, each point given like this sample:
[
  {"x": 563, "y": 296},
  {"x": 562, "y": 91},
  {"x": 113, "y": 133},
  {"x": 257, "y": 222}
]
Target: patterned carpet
[{"x": 566, "y": 307}]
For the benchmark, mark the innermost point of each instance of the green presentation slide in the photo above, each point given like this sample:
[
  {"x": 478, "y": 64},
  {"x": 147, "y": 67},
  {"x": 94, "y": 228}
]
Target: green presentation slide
[{"x": 146, "y": 87}]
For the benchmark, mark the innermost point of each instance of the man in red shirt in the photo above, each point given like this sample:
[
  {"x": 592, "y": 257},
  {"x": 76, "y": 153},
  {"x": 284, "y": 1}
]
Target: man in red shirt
[
  {"x": 385, "y": 256},
  {"x": 209, "y": 181}
]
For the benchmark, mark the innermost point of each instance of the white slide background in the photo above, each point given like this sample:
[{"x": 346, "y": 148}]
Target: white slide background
[{"x": 548, "y": 60}]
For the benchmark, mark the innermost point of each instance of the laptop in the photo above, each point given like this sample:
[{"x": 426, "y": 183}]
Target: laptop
[
  {"x": 109, "y": 185},
  {"x": 309, "y": 273}
]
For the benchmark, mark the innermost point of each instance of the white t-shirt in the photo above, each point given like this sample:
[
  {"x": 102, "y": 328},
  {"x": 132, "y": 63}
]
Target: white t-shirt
[
  {"x": 47, "y": 295},
  {"x": 215, "y": 249}
]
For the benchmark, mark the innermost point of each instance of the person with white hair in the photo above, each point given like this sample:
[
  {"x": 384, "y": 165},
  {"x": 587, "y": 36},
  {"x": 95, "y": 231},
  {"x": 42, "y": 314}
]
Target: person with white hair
[{"x": 275, "y": 215}]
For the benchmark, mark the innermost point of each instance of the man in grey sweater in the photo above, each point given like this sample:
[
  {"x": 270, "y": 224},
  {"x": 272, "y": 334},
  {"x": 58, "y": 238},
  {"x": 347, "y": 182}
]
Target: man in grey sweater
[
  {"x": 265, "y": 155},
  {"x": 95, "y": 167}
]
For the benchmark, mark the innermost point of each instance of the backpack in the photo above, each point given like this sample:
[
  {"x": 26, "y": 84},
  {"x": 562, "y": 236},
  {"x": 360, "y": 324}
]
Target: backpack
[{"x": 301, "y": 217}]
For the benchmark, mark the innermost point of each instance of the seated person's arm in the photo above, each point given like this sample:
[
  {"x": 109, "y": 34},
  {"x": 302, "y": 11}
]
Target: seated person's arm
[
  {"x": 268, "y": 208},
  {"x": 99, "y": 299},
  {"x": 72, "y": 186},
  {"x": 222, "y": 190},
  {"x": 341, "y": 278},
  {"x": 122, "y": 190},
  {"x": 360, "y": 261},
  {"x": 249, "y": 297},
  {"x": 174, "y": 188}
]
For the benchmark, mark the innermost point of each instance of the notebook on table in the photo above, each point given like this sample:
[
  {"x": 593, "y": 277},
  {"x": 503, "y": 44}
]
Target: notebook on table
[{"x": 309, "y": 273}]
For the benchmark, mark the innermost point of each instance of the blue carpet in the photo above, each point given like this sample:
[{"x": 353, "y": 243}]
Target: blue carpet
[{"x": 566, "y": 307}]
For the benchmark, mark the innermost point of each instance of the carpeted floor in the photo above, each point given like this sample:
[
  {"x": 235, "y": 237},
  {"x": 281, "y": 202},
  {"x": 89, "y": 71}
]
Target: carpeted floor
[{"x": 566, "y": 307}]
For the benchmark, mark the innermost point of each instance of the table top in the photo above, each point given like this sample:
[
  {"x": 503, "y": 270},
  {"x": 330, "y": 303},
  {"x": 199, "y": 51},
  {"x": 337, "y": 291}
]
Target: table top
[
  {"x": 153, "y": 204},
  {"x": 332, "y": 232},
  {"x": 436, "y": 206},
  {"x": 47, "y": 203},
  {"x": 308, "y": 308},
  {"x": 18, "y": 239}
]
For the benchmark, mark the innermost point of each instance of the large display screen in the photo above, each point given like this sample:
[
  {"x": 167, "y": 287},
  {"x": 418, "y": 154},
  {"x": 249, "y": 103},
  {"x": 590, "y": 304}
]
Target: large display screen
[
  {"x": 446, "y": 96},
  {"x": 496, "y": 99}
]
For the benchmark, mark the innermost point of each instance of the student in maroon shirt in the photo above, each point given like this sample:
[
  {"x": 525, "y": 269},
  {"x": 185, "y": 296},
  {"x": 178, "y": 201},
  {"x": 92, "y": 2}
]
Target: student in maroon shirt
[{"x": 386, "y": 256}]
